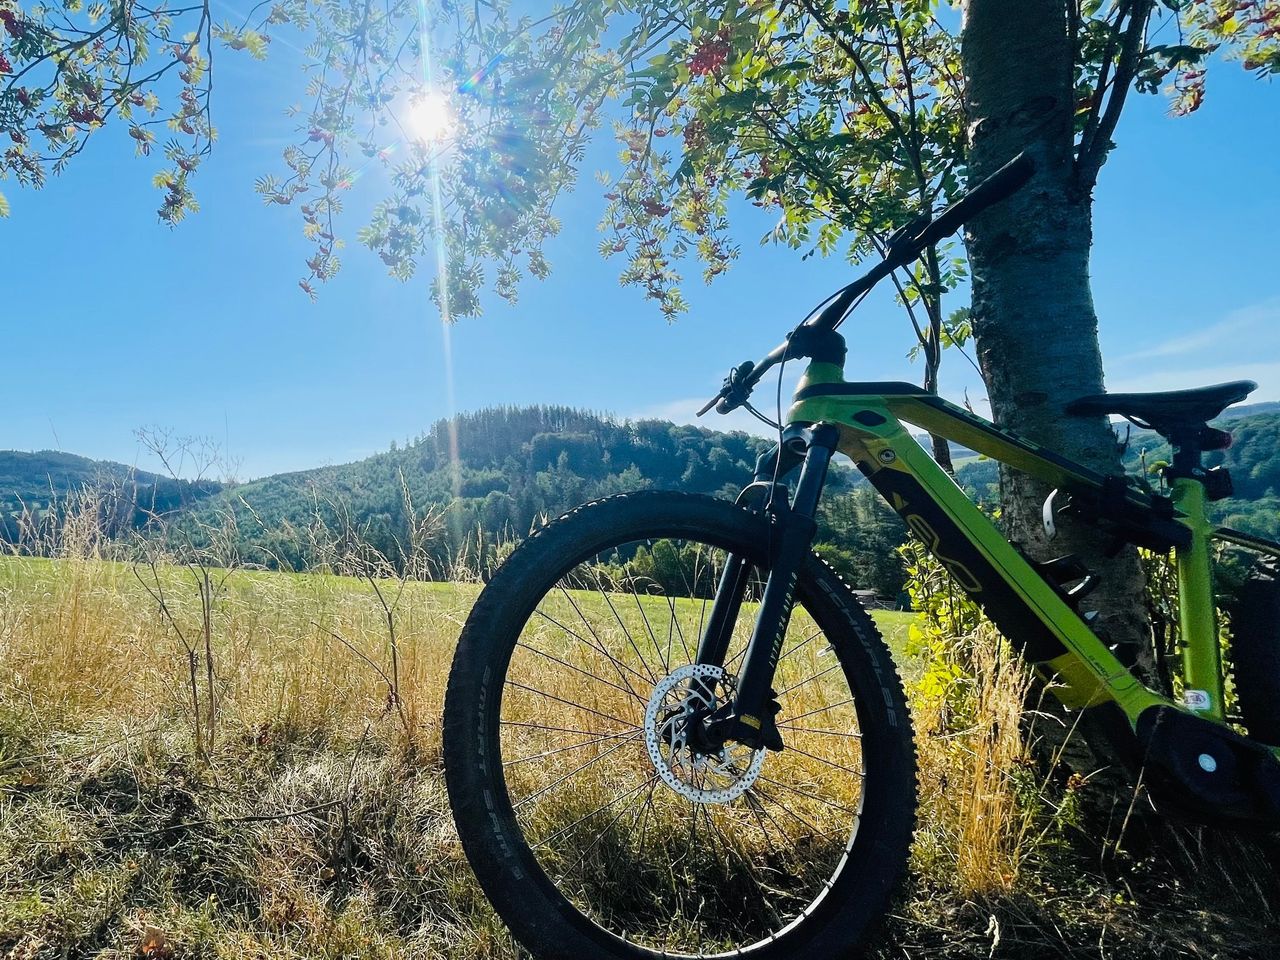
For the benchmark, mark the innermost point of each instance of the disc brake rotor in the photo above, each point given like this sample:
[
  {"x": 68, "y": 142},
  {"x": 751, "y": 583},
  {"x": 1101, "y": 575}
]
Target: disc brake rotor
[{"x": 720, "y": 776}]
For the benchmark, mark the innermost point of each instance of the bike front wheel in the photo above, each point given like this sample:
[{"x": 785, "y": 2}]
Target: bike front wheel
[{"x": 597, "y": 833}]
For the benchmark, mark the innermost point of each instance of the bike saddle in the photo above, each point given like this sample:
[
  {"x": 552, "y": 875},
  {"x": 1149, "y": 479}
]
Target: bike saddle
[{"x": 1172, "y": 407}]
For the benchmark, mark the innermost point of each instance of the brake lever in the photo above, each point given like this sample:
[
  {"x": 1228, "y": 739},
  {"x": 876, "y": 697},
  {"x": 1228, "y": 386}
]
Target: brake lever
[
  {"x": 734, "y": 392},
  {"x": 710, "y": 403}
]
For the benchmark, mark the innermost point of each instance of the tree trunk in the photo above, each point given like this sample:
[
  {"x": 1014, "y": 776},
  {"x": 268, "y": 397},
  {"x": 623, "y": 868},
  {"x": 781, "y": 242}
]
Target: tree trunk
[
  {"x": 1034, "y": 324},
  {"x": 933, "y": 350}
]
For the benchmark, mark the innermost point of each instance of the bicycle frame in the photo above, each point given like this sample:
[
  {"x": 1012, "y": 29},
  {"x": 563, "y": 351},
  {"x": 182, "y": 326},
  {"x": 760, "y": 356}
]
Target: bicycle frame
[{"x": 1030, "y": 612}]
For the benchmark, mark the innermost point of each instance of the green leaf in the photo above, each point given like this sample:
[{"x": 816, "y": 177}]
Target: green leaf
[{"x": 795, "y": 66}]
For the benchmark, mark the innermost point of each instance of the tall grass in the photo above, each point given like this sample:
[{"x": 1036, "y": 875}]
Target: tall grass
[
  {"x": 310, "y": 819},
  {"x": 978, "y": 778}
]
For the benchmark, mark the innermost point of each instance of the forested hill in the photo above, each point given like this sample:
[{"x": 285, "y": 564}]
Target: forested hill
[
  {"x": 515, "y": 466},
  {"x": 1250, "y": 410},
  {"x": 511, "y": 465},
  {"x": 31, "y": 482},
  {"x": 34, "y": 479},
  {"x": 491, "y": 476},
  {"x": 488, "y": 477},
  {"x": 1254, "y": 461}
]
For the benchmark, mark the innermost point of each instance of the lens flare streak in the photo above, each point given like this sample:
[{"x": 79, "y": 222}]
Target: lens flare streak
[{"x": 442, "y": 263}]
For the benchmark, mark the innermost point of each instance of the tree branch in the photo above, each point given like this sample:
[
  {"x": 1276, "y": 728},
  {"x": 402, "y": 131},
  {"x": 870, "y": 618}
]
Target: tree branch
[{"x": 1095, "y": 143}]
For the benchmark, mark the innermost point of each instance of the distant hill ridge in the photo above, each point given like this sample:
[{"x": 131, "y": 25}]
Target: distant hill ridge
[
  {"x": 33, "y": 478},
  {"x": 1250, "y": 410},
  {"x": 515, "y": 465},
  {"x": 31, "y": 483}
]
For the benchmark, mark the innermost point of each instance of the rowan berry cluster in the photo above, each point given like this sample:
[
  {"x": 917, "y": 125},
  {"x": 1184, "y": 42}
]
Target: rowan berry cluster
[
  {"x": 695, "y": 134},
  {"x": 13, "y": 24},
  {"x": 710, "y": 54}
]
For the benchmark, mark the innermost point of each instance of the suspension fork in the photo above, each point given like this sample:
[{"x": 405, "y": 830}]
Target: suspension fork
[
  {"x": 749, "y": 718},
  {"x": 766, "y": 495}
]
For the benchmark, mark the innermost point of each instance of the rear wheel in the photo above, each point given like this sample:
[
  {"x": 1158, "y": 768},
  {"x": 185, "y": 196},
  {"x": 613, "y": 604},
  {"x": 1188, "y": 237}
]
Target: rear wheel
[
  {"x": 1255, "y": 651},
  {"x": 594, "y": 829}
]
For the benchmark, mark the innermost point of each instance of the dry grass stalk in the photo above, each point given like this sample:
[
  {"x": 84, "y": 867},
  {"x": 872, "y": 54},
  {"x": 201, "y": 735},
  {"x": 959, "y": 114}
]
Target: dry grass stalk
[{"x": 317, "y": 826}]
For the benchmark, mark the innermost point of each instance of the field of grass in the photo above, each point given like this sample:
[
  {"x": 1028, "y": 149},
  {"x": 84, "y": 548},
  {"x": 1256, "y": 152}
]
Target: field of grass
[{"x": 308, "y": 817}]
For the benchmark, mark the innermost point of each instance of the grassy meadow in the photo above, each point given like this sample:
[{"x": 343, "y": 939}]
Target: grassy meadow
[{"x": 305, "y": 814}]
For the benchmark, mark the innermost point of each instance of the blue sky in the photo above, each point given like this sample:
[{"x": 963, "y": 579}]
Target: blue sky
[{"x": 112, "y": 322}]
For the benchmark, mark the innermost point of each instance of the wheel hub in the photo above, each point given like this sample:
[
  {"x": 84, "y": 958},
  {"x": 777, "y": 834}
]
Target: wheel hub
[{"x": 680, "y": 699}]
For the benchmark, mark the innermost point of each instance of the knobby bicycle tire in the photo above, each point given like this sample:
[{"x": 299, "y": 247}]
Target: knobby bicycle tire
[
  {"x": 612, "y": 909},
  {"x": 1255, "y": 651}
]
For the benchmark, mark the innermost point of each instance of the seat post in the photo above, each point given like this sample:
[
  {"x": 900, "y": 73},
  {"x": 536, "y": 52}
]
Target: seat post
[
  {"x": 1197, "y": 616},
  {"x": 1190, "y": 442},
  {"x": 1188, "y": 450}
]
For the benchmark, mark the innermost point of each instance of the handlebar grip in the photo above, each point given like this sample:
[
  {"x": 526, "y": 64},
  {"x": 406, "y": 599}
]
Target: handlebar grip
[{"x": 1003, "y": 183}]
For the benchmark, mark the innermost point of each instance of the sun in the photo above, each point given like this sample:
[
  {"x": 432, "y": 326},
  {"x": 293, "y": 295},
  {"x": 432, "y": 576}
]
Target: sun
[{"x": 429, "y": 117}]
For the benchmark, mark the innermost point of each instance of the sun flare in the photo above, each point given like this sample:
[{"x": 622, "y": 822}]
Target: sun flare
[{"x": 430, "y": 117}]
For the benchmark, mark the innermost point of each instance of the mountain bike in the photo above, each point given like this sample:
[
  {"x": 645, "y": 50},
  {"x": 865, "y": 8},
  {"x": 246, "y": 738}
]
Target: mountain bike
[{"x": 672, "y": 730}]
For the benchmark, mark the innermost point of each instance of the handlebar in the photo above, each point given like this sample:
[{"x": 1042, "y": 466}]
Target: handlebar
[
  {"x": 1005, "y": 182},
  {"x": 903, "y": 247}
]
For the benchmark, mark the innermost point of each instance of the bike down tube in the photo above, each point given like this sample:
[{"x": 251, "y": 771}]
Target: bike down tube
[{"x": 1026, "y": 609}]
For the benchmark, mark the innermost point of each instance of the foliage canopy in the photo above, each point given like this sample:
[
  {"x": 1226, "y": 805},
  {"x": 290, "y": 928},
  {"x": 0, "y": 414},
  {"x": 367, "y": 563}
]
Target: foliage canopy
[{"x": 844, "y": 118}]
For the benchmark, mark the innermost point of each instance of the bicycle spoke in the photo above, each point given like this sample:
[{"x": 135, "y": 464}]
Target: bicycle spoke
[
  {"x": 829, "y": 763},
  {"x": 803, "y": 643},
  {"x": 816, "y": 676},
  {"x": 617, "y": 664},
  {"x": 693, "y": 829},
  {"x": 728, "y": 844},
  {"x": 828, "y": 733},
  {"x": 583, "y": 819},
  {"x": 599, "y": 645},
  {"x": 570, "y": 703},
  {"x": 650, "y": 783},
  {"x": 811, "y": 796},
  {"x": 759, "y": 791},
  {"x": 543, "y": 726},
  {"x": 666, "y": 667},
  {"x": 702, "y": 619},
  {"x": 572, "y": 746},
  {"x": 585, "y": 673},
  {"x": 573, "y": 773},
  {"x": 740, "y": 655},
  {"x": 653, "y": 677},
  {"x": 743, "y": 652},
  {"x": 675, "y": 623},
  {"x": 832, "y": 706},
  {"x": 753, "y": 804}
]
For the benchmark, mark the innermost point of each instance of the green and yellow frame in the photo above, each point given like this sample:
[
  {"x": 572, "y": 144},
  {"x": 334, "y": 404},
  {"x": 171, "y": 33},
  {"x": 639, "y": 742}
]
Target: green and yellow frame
[{"x": 1035, "y": 617}]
